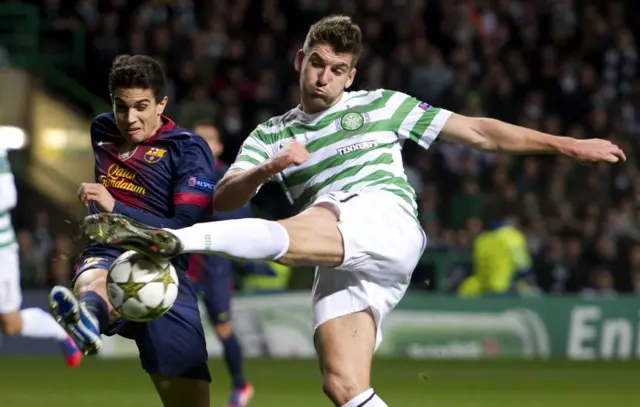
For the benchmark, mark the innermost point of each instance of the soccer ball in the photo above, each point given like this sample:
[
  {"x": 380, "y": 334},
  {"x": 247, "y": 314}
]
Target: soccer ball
[{"x": 141, "y": 288}]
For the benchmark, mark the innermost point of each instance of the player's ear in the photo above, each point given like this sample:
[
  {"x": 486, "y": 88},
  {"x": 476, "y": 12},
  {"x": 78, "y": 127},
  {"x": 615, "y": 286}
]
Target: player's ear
[
  {"x": 162, "y": 104},
  {"x": 297, "y": 62},
  {"x": 350, "y": 78}
]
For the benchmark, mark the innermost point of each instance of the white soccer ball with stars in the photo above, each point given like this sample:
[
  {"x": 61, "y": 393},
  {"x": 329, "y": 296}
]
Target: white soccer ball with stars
[{"x": 141, "y": 288}]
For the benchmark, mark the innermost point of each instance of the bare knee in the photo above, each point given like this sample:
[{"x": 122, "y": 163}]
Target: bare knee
[
  {"x": 91, "y": 280},
  {"x": 11, "y": 323},
  {"x": 314, "y": 239},
  {"x": 94, "y": 280},
  {"x": 223, "y": 330},
  {"x": 340, "y": 387}
]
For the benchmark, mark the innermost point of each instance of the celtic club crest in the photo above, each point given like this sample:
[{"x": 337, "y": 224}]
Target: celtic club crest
[{"x": 352, "y": 121}]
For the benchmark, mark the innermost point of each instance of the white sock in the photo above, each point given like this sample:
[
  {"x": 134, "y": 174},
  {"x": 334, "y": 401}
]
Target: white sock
[
  {"x": 37, "y": 323},
  {"x": 244, "y": 239},
  {"x": 367, "y": 398}
]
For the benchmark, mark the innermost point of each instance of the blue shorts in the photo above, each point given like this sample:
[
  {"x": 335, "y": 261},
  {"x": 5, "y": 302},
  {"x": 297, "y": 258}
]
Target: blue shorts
[
  {"x": 213, "y": 276},
  {"x": 173, "y": 345}
]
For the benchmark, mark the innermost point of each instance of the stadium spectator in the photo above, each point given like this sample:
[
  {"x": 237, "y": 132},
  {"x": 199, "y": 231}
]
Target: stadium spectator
[{"x": 561, "y": 66}]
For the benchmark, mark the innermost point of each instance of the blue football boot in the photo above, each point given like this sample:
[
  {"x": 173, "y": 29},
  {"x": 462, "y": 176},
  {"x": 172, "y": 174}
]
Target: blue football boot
[{"x": 81, "y": 325}]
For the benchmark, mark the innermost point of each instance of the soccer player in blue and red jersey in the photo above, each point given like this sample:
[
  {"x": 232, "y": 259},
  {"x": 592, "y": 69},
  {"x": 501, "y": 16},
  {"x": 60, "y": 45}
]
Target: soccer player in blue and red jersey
[
  {"x": 148, "y": 169},
  {"x": 213, "y": 276}
]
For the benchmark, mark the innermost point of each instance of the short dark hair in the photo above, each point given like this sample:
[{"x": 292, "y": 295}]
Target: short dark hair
[
  {"x": 338, "y": 31},
  {"x": 210, "y": 123},
  {"x": 137, "y": 72},
  {"x": 204, "y": 123}
]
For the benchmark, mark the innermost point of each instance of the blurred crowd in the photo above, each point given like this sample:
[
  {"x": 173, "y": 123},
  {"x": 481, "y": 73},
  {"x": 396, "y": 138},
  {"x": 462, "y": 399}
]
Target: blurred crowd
[
  {"x": 561, "y": 66},
  {"x": 46, "y": 258}
]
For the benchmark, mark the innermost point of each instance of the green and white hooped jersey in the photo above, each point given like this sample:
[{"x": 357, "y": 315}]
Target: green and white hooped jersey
[
  {"x": 7, "y": 202},
  {"x": 355, "y": 145}
]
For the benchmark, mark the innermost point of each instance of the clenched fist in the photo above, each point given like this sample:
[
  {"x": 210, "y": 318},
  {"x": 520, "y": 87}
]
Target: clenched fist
[
  {"x": 594, "y": 151},
  {"x": 293, "y": 153},
  {"x": 97, "y": 193}
]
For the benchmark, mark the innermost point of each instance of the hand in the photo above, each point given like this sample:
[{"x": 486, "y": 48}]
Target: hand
[
  {"x": 293, "y": 153},
  {"x": 594, "y": 151},
  {"x": 97, "y": 193}
]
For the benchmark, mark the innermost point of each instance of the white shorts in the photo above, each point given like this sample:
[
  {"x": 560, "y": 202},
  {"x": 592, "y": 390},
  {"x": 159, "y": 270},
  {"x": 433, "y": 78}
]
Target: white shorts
[
  {"x": 10, "y": 292},
  {"x": 383, "y": 244}
]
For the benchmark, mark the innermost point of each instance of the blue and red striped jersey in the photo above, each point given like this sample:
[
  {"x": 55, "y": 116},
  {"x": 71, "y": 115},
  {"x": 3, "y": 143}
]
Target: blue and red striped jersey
[{"x": 172, "y": 168}]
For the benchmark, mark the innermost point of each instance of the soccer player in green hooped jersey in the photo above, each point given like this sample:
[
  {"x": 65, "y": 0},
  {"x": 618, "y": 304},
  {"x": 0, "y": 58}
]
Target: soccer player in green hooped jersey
[
  {"x": 27, "y": 322},
  {"x": 338, "y": 156}
]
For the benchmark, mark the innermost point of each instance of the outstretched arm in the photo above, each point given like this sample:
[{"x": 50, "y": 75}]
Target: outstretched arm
[{"x": 499, "y": 137}]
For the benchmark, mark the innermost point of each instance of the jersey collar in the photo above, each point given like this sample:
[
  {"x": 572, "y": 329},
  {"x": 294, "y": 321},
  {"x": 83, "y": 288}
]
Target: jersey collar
[
  {"x": 310, "y": 118},
  {"x": 167, "y": 124}
]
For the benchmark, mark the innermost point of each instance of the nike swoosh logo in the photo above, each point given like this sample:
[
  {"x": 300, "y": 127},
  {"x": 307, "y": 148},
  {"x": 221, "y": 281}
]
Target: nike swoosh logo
[{"x": 104, "y": 143}]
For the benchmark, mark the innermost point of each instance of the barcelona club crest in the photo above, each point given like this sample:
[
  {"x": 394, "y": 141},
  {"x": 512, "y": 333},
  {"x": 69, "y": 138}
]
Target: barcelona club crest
[{"x": 154, "y": 155}]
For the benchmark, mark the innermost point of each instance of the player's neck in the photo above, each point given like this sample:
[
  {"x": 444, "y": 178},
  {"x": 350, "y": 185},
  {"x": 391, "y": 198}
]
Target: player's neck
[{"x": 156, "y": 128}]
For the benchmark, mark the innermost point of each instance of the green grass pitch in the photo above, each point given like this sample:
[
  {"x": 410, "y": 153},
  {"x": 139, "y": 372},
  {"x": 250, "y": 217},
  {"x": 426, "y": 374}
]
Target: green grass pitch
[{"x": 44, "y": 382}]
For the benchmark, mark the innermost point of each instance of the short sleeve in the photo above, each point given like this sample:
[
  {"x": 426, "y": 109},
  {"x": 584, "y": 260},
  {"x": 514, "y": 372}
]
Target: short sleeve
[
  {"x": 422, "y": 122},
  {"x": 195, "y": 174},
  {"x": 254, "y": 151}
]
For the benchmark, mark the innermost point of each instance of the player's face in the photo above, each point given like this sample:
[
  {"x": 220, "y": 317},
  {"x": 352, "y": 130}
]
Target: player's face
[
  {"x": 137, "y": 113},
  {"x": 211, "y": 135},
  {"x": 324, "y": 75}
]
